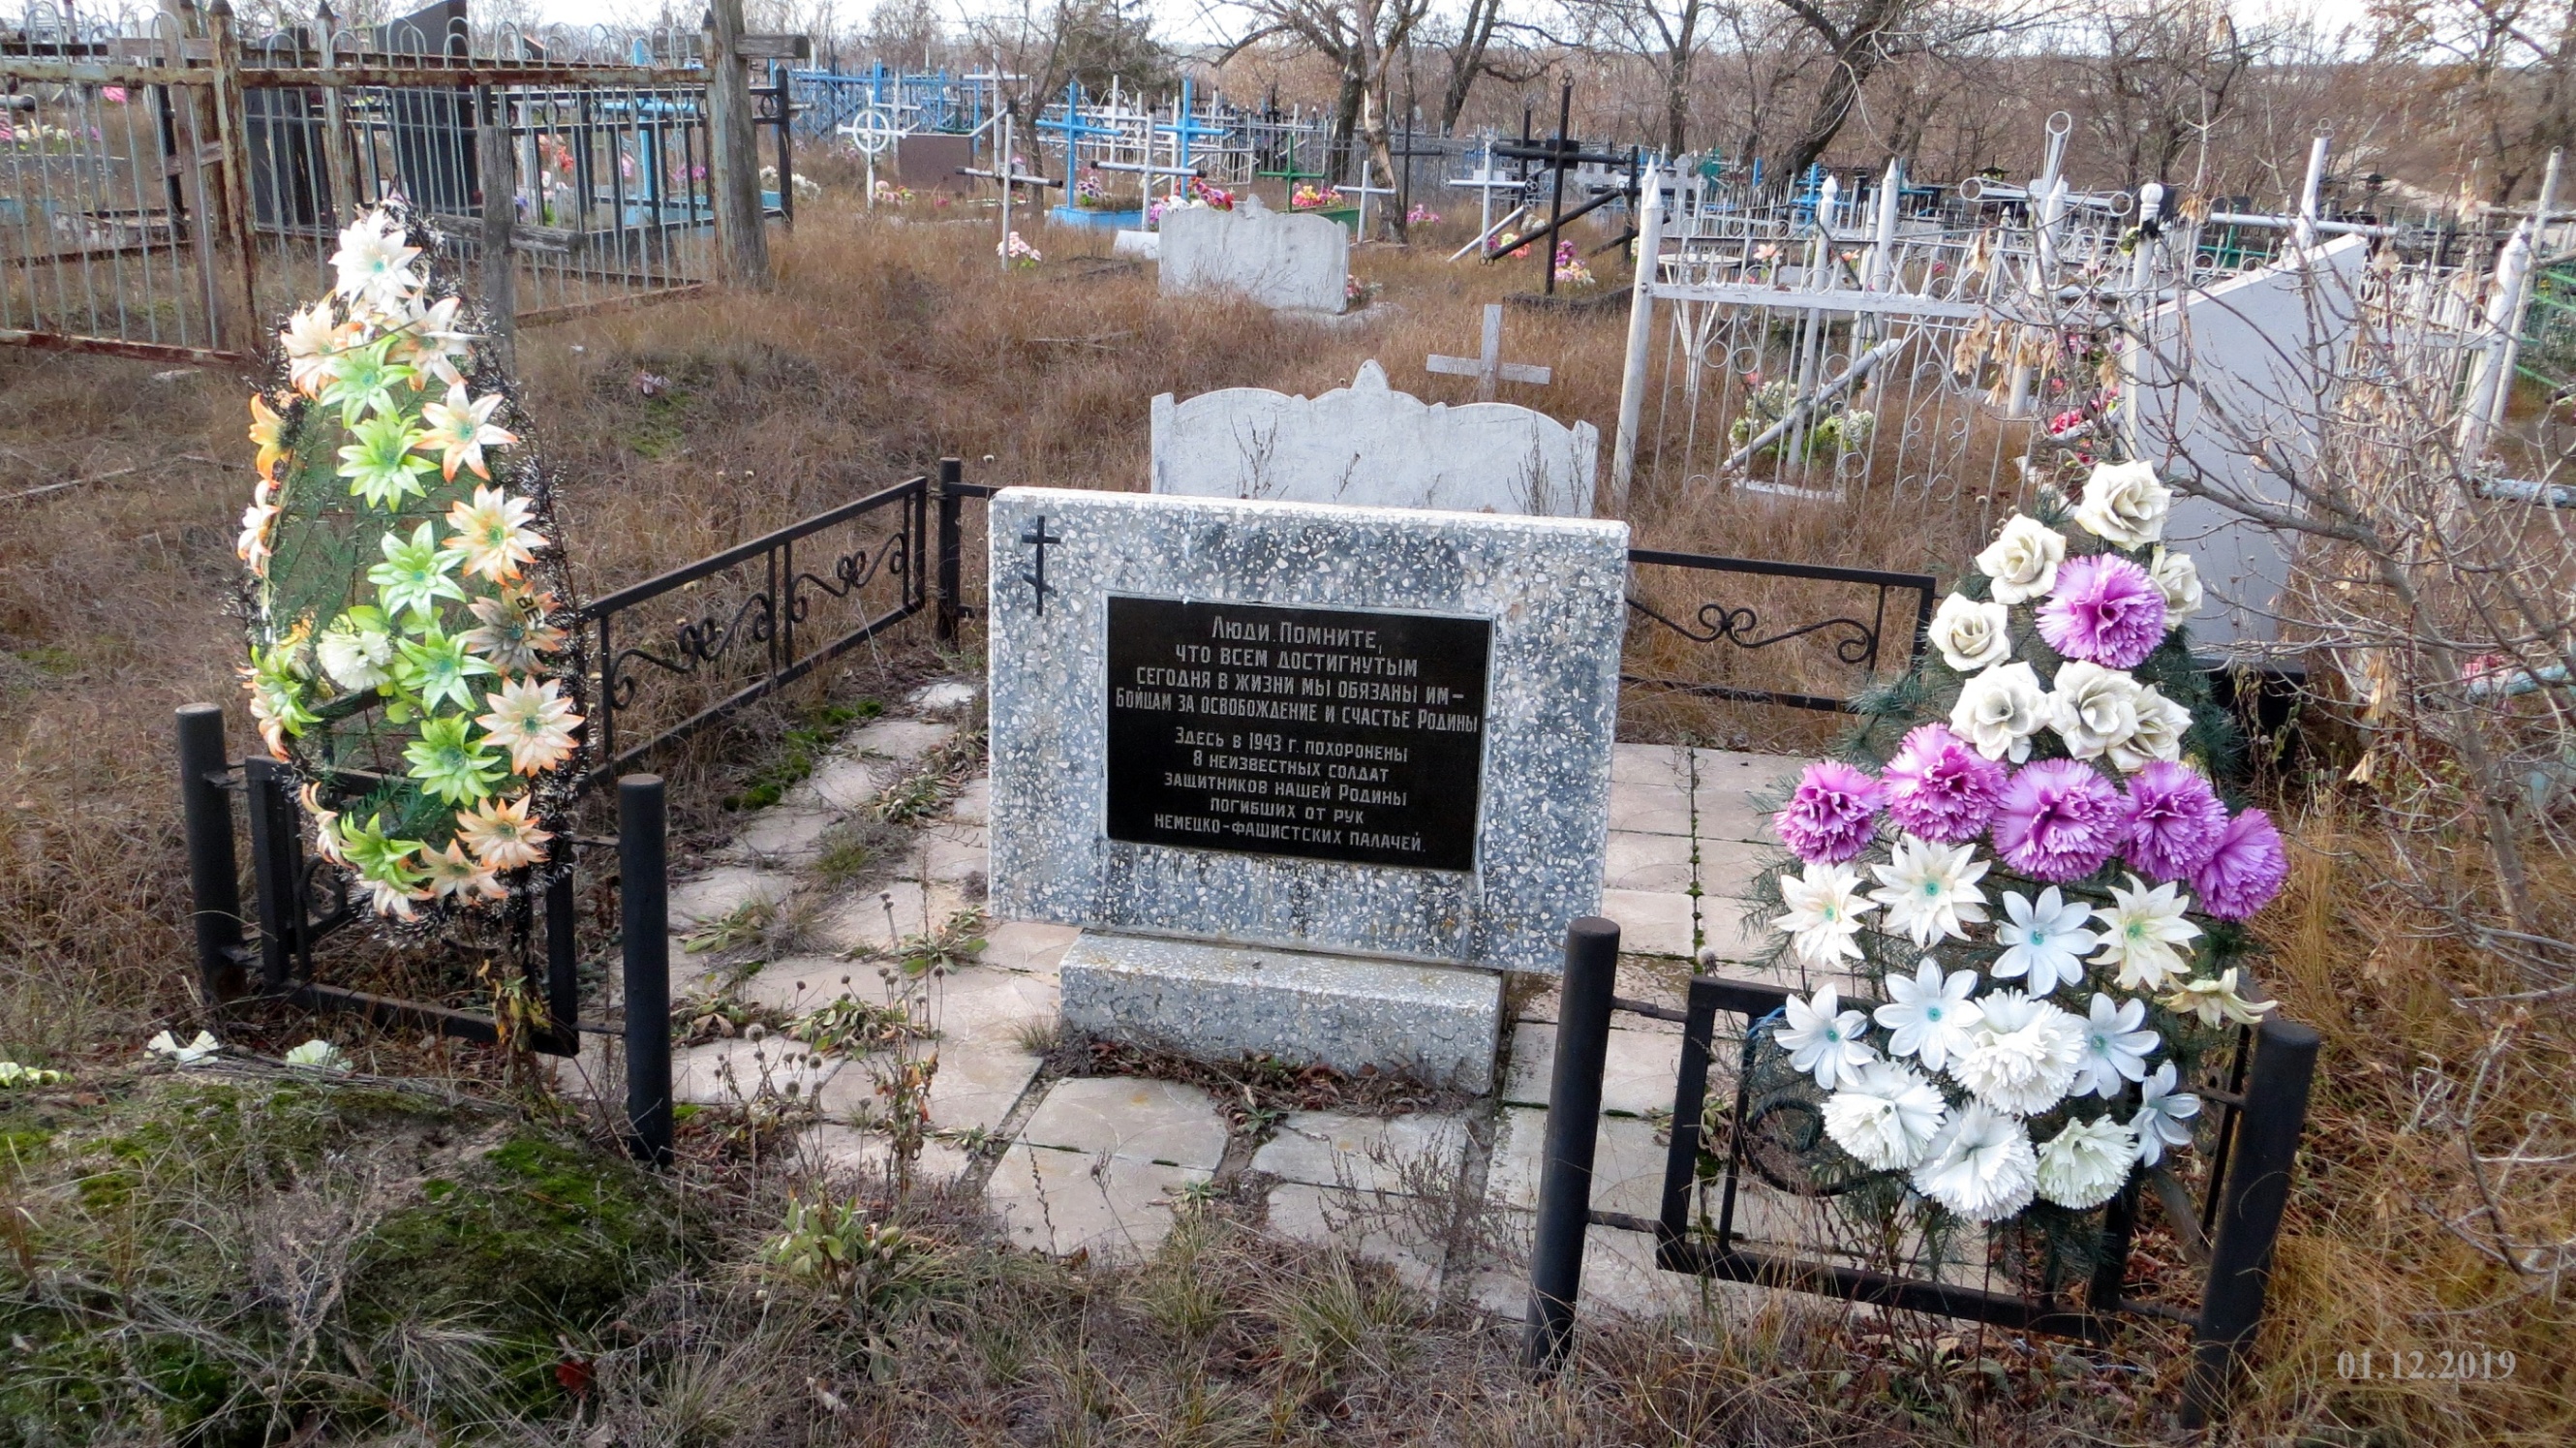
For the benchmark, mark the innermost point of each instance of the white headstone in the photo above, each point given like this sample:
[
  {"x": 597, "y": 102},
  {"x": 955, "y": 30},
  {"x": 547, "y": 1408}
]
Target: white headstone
[
  {"x": 2256, "y": 350},
  {"x": 1287, "y": 263},
  {"x": 1369, "y": 445}
]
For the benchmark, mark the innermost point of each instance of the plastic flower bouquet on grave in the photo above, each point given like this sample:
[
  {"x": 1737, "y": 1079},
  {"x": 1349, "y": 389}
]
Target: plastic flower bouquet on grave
[
  {"x": 2040, "y": 882},
  {"x": 1090, "y": 193},
  {"x": 1307, "y": 198},
  {"x": 1421, "y": 215},
  {"x": 1829, "y": 434},
  {"x": 1214, "y": 198},
  {"x": 1570, "y": 268},
  {"x": 889, "y": 194},
  {"x": 413, "y": 654},
  {"x": 1017, "y": 252}
]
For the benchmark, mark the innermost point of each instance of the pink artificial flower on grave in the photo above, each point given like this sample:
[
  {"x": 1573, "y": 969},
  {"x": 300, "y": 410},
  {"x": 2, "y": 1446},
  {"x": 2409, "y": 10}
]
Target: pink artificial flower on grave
[
  {"x": 114, "y": 95},
  {"x": 1833, "y": 815},
  {"x": 1940, "y": 787},
  {"x": 2175, "y": 821},
  {"x": 2058, "y": 821},
  {"x": 2065, "y": 422},
  {"x": 2245, "y": 871},
  {"x": 2105, "y": 610}
]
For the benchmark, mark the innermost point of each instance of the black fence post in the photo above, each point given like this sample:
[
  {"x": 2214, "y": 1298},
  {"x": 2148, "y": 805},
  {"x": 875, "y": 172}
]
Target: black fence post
[
  {"x": 644, "y": 890},
  {"x": 272, "y": 869},
  {"x": 214, "y": 874},
  {"x": 563, "y": 966},
  {"x": 1573, "y": 1129},
  {"x": 952, "y": 508},
  {"x": 2249, "y": 1214}
]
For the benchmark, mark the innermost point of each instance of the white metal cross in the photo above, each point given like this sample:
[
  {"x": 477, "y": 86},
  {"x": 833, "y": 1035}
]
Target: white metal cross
[{"x": 1489, "y": 365}]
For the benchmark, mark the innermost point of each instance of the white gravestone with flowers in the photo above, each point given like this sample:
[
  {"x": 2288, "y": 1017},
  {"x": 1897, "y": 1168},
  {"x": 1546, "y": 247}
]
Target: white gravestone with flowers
[{"x": 2032, "y": 886}]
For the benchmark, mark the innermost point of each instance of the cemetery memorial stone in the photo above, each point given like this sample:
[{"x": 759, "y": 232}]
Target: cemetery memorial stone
[
  {"x": 1371, "y": 446},
  {"x": 1284, "y": 262},
  {"x": 1309, "y": 777},
  {"x": 934, "y": 162}
]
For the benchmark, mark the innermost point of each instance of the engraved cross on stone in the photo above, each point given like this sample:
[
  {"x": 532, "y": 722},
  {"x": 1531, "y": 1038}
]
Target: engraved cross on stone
[
  {"x": 1489, "y": 364},
  {"x": 1038, "y": 537}
]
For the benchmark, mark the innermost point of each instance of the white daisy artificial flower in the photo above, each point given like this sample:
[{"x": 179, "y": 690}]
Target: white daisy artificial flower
[
  {"x": 2177, "y": 577},
  {"x": 1930, "y": 890},
  {"x": 2000, "y": 709},
  {"x": 1886, "y": 1117},
  {"x": 2044, "y": 940},
  {"x": 2087, "y": 1163},
  {"x": 2022, "y": 1056},
  {"x": 2115, "y": 1048},
  {"x": 2023, "y": 560},
  {"x": 2158, "y": 734},
  {"x": 2094, "y": 709},
  {"x": 1825, "y": 907},
  {"x": 2124, "y": 504},
  {"x": 1981, "y": 1166},
  {"x": 1929, "y": 1016},
  {"x": 1823, "y": 1039},
  {"x": 2163, "y": 1116},
  {"x": 1971, "y": 635},
  {"x": 2145, "y": 934},
  {"x": 2216, "y": 1001}
]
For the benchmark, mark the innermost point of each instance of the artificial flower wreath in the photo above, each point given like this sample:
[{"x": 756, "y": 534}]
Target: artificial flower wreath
[
  {"x": 413, "y": 654},
  {"x": 2046, "y": 889}
]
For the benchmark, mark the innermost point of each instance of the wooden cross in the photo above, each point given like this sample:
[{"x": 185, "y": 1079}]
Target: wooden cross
[{"x": 1488, "y": 364}]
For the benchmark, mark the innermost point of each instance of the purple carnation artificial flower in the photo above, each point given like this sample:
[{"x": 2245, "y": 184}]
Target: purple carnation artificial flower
[
  {"x": 1940, "y": 787},
  {"x": 2246, "y": 869},
  {"x": 2106, "y": 611},
  {"x": 1833, "y": 815},
  {"x": 2058, "y": 821},
  {"x": 2175, "y": 821}
]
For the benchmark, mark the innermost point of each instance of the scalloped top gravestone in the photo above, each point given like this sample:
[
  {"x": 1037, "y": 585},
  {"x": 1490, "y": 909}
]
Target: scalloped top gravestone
[
  {"x": 1285, "y": 262},
  {"x": 1370, "y": 445},
  {"x": 1310, "y": 776}
]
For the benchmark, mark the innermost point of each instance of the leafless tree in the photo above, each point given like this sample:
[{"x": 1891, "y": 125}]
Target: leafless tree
[
  {"x": 1366, "y": 39},
  {"x": 2508, "y": 67}
]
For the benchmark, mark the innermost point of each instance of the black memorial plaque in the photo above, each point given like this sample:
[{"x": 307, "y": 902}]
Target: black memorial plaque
[{"x": 1325, "y": 733}]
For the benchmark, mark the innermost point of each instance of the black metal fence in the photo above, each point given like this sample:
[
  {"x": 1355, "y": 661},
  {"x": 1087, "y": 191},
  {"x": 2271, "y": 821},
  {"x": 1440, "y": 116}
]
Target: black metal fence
[
  {"x": 1692, "y": 645},
  {"x": 2262, "y": 1114}
]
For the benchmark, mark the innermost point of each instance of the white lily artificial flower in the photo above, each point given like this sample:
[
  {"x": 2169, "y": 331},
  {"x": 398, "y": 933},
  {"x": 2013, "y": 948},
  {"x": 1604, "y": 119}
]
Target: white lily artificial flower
[
  {"x": 2115, "y": 1048},
  {"x": 2023, "y": 560},
  {"x": 2086, "y": 1163},
  {"x": 1930, "y": 1017},
  {"x": 2044, "y": 940},
  {"x": 2161, "y": 723},
  {"x": 2000, "y": 709},
  {"x": 2177, "y": 577},
  {"x": 1981, "y": 1166},
  {"x": 1971, "y": 635},
  {"x": 1886, "y": 1117},
  {"x": 1930, "y": 890},
  {"x": 374, "y": 265},
  {"x": 2163, "y": 1116},
  {"x": 2022, "y": 1056},
  {"x": 2093, "y": 709},
  {"x": 1824, "y": 913},
  {"x": 318, "y": 1055},
  {"x": 2124, "y": 504},
  {"x": 2216, "y": 1001},
  {"x": 2145, "y": 934},
  {"x": 1823, "y": 1039},
  {"x": 190, "y": 1054}
]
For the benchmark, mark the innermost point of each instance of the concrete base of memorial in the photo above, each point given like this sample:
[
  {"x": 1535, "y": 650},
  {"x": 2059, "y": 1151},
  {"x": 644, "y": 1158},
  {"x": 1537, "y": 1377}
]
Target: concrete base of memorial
[{"x": 1436, "y": 1023}]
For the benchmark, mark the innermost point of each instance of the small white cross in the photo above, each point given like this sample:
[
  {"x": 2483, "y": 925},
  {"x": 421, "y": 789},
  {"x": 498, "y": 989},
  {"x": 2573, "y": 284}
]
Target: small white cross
[{"x": 1489, "y": 364}]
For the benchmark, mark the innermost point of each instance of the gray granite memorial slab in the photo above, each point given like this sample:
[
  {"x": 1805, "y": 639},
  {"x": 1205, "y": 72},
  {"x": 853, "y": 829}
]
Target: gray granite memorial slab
[
  {"x": 1370, "y": 445},
  {"x": 1232, "y": 733},
  {"x": 1284, "y": 262}
]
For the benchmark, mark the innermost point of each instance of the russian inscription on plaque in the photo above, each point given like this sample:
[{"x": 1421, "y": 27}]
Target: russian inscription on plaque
[{"x": 1327, "y": 734}]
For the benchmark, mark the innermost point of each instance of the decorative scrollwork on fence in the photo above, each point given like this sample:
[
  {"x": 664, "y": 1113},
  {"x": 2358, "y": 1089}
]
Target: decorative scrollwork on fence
[
  {"x": 851, "y": 572},
  {"x": 1857, "y": 645},
  {"x": 701, "y": 641}
]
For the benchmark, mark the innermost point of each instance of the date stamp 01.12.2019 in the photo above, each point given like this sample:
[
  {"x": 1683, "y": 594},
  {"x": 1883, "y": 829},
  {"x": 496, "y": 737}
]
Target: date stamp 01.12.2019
[{"x": 2474, "y": 1364}]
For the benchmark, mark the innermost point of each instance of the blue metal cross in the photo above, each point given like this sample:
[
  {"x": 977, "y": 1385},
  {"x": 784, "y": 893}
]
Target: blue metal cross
[
  {"x": 1188, "y": 127},
  {"x": 1075, "y": 128}
]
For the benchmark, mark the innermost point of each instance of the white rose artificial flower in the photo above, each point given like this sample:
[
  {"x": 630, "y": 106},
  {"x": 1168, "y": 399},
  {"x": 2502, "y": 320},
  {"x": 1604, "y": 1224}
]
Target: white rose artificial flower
[
  {"x": 2161, "y": 723},
  {"x": 2043, "y": 940},
  {"x": 1930, "y": 890},
  {"x": 2163, "y": 1116},
  {"x": 2000, "y": 709},
  {"x": 2093, "y": 709},
  {"x": 1981, "y": 1166},
  {"x": 1823, "y": 1039},
  {"x": 1972, "y": 635},
  {"x": 2023, "y": 1055},
  {"x": 355, "y": 657},
  {"x": 2087, "y": 1163},
  {"x": 2144, "y": 933},
  {"x": 2115, "y": 1049},
  {"x": 1824, "y": 913},
  {"x": 2124, "y": 504},
  {"x": 1930, "y": 1017},
  {"x": 2177, "y": 577},
  {"x": 1886, "y": 1117},
  {"x": 2023, "y": 560}
]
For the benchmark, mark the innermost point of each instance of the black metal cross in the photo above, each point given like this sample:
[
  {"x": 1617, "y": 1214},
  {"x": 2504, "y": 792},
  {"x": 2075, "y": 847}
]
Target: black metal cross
[{"x": 1039, "y": 537}]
